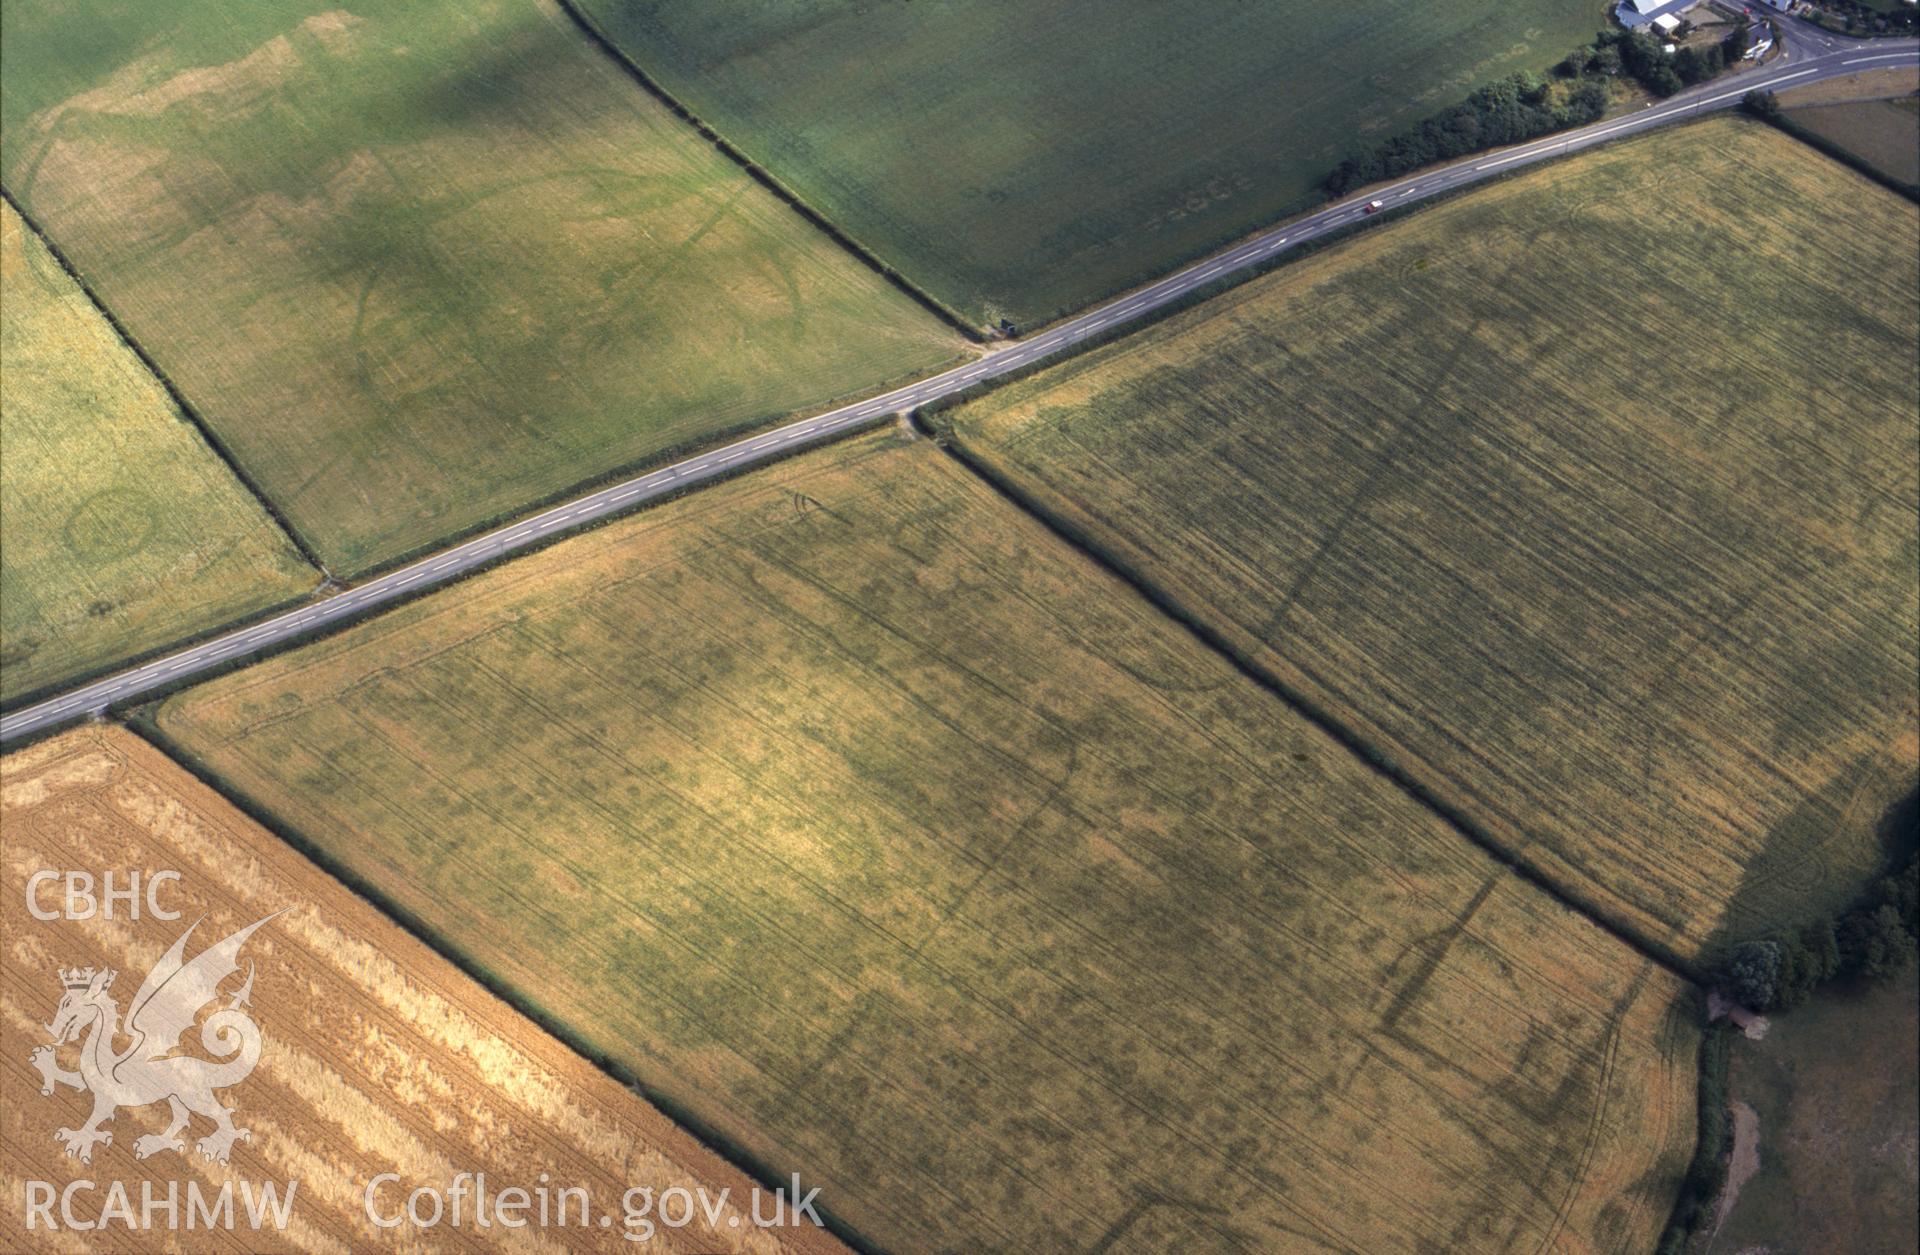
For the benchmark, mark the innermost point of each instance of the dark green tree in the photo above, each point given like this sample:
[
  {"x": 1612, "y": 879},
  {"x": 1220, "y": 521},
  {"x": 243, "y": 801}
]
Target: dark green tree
[
  {"x": 1753, "y": 977},
  {"x": 1877, "y": 942},
  {"x": 1661, "y": 80}
]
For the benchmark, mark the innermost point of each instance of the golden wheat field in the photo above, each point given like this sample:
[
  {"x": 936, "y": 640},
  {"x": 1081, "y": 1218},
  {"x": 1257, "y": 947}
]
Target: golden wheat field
[
  {"x": 885, "y": 834},
  {"x": 1589, "y": 498},
  {"x": 124, "y": 531},
  {"x": 377, "y": 1055}
]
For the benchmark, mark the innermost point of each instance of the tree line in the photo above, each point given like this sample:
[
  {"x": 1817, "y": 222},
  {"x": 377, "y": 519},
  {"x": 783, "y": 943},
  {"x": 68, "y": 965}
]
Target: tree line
[
  {"x": 1522, "y": 106},
  {"x": 1872, "y": 939},
  {"x": 1516, "y": 108}
]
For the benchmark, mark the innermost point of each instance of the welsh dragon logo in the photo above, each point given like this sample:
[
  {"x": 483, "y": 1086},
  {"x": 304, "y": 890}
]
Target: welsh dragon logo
[{"x": 148, "y": 1071}]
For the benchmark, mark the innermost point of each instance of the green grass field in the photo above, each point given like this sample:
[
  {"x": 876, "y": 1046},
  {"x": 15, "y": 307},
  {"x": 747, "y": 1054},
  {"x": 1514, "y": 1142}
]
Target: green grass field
[
  {"x": 1589, "y": 498},
  {"x": 422, "y": 266},
  {"x": 902, "y": 847},
  {"x": 123, "y": 530},
  {"x": 1883, "y": 133},
  {"x": 1832, "y": 1091},
  {"x": 1025, "y": 159}
]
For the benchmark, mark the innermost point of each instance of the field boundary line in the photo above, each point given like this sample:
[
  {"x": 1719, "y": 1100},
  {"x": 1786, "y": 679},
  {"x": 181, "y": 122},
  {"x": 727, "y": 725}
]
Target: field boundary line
[
  {"x": 192, "y": 414},
  {"x": 1662, "y": 956},
  {"x": 766, "y": 178},
  {"x": 148, "y": 729},
  {"x": 1780, "y": 120}
]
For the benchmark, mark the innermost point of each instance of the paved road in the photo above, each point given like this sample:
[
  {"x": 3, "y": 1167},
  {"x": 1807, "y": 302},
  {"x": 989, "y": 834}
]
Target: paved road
[
  {"x": 1803, "y": 39},
  {"x": 1819, "y": 55}
]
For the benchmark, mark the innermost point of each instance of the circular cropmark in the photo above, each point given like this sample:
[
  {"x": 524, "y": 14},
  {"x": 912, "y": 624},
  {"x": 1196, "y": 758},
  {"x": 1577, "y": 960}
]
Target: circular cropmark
[
  {"x": 1408, "y": 264},
  {"x": 111, "y": 524}
]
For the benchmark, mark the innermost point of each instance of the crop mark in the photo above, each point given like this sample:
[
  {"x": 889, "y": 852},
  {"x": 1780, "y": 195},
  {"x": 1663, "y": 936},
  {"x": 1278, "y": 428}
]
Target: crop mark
[
  {"x": 179, "y": 399},
  {"x": 991, "y": 861},
  {"x": 1145, "y": 1202},
  {"x": 1382, "y": 464},
  {"x": 483, "y": 872},
  {"x": 1434, "y": 949},
  {"x": 755, "y": 548},
  {"x": 661, "y": 265},
  {"x": 1603, "y": 1085}
]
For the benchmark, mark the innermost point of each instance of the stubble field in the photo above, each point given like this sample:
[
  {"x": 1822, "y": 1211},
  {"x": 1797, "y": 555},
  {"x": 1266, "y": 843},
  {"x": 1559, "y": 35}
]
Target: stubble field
[
  {"x": 124, "y": 530},
  {"x": 1024, "y": 159},
  {"x": 1590, "y": 499},
  {"x": 424, "y": 265},
  {"x": 884, "y": 834},
  {"x": 378, "y": 1056}
]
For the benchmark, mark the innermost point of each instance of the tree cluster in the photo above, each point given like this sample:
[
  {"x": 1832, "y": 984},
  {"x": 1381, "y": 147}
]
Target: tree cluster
[
  {"x": 1872, "y": 939},
  {"x": 1859, "y": 19},
  {"x": 1763, "y": 105},
  {"x": 1522, "y": 107},
  {"x": 1641, "y": 57},
  {"x": 1518, "y": 107}
]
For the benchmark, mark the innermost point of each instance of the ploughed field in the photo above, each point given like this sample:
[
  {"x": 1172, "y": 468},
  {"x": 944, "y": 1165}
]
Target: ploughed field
[
  {"x": 891, "y": 839},
  {"x": 421, "y": 265},
  {"x": 377, "y": 1055},
  {"x": 1587, "y": 499},
  {"x": 1025, "y": 159},
  {"x": 124, "y": 530}
]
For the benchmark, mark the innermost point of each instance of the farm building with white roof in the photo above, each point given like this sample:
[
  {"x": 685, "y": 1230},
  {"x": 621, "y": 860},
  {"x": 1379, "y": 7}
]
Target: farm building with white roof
[{"x": 1637, "y": 13}]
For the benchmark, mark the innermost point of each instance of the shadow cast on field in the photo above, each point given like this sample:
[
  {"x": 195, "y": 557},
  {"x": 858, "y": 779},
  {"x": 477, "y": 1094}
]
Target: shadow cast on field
[{"x": 1789, "y": 883}]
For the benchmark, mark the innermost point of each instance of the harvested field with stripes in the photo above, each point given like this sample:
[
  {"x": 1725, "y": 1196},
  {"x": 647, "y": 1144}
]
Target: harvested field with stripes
[
  {"x": 124, "y": 530},
  {"x": 1590, "y": 500},
  {"x": 377, "y": 1055},
  {"x": 423, "y": 265},
  {"x": 891, "y": 839}
]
